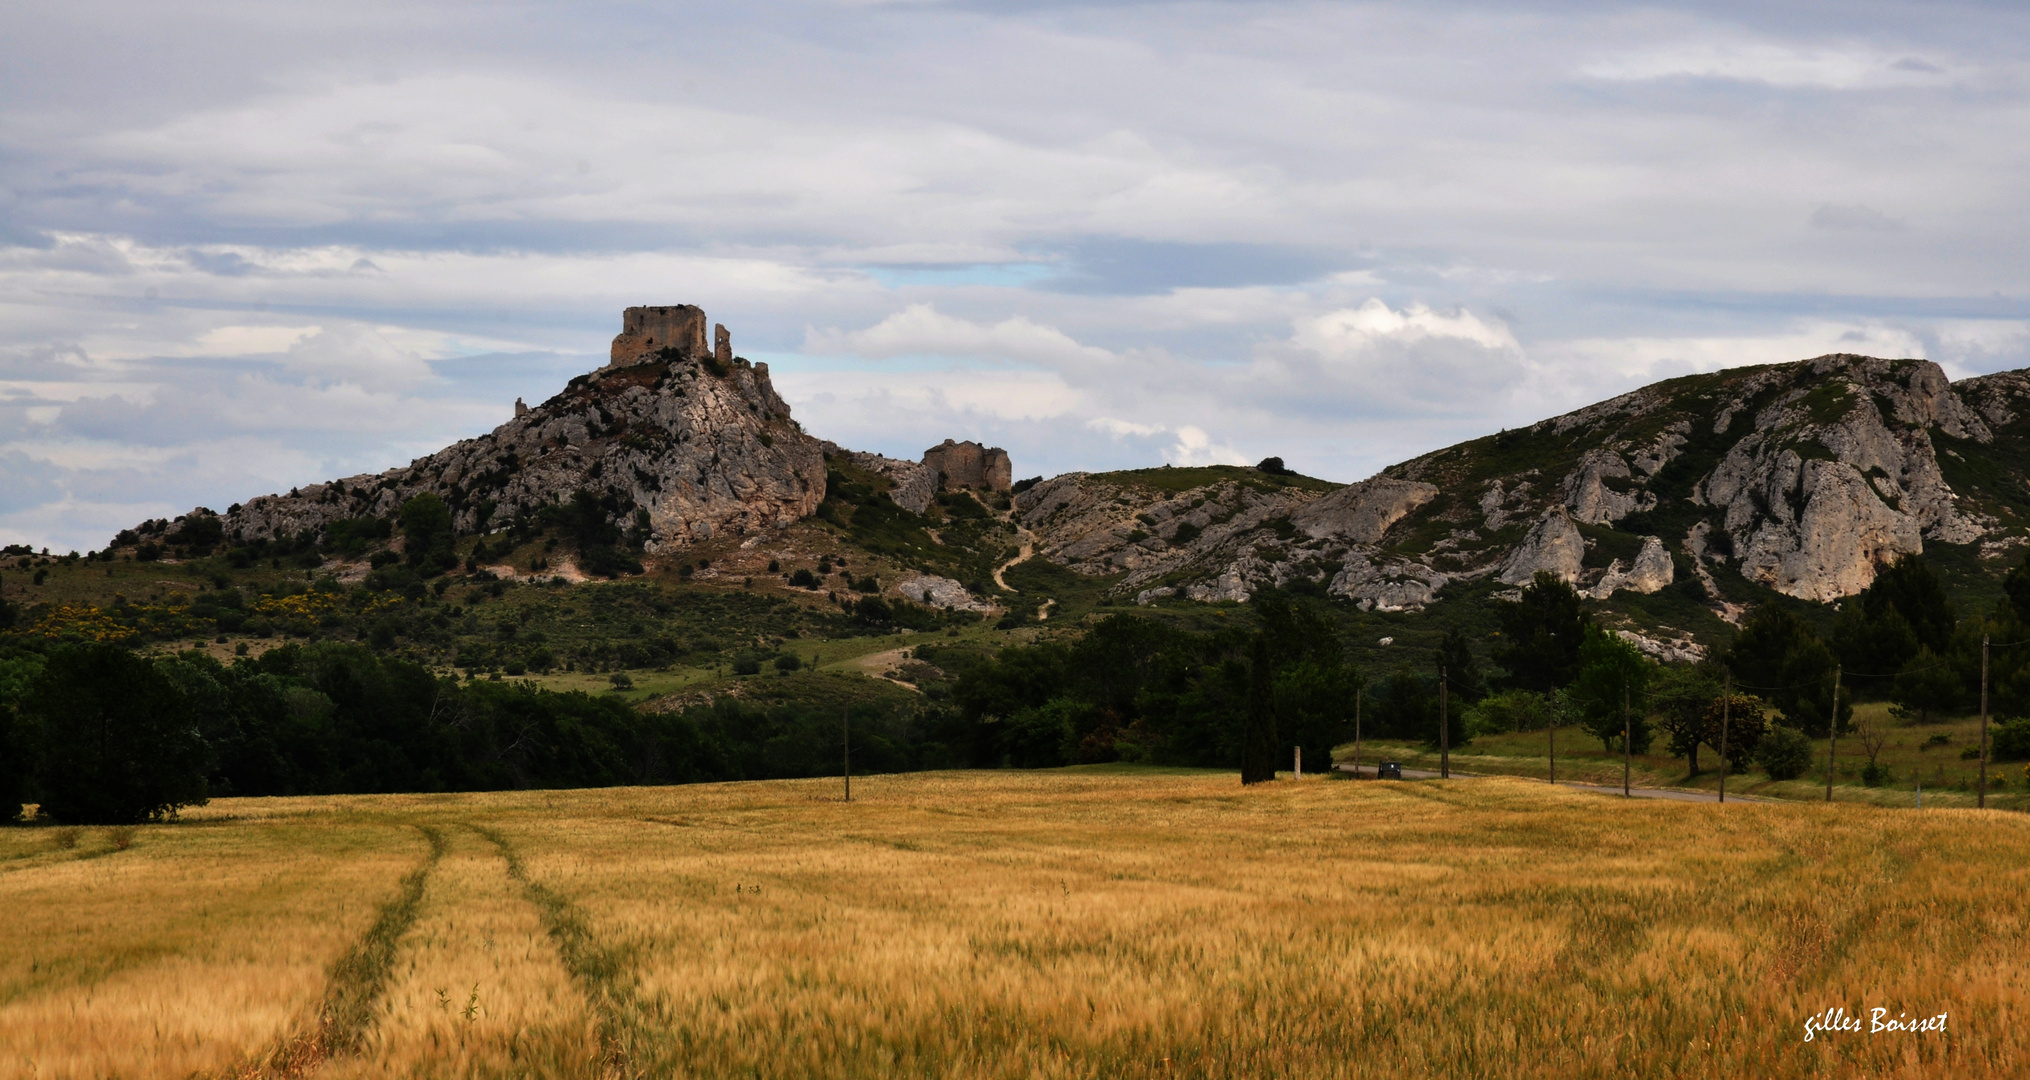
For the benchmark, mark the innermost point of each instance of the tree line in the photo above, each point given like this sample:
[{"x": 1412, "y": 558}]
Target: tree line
[
  {"x": 1136, "y": 690},
  {"x": 95, "y": 733}
]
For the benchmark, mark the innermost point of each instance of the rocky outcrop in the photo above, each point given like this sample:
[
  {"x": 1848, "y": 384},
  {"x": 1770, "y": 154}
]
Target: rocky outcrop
[
  {"x": 1808, "y": 476},
  {"x": 1219, "y": 535},
  {"x": 1376, "y": 583},
  {"x": 1590, "y": 492},
  {"x": 969, "y": 465},
  {"x": 1553, "y": 544},
  {"x": 915, "y": 483},
  {"x": 940, "y": 592},
  {"x": 668, "y": 446},
  {"x": 1651, "y": 572},
  {"x": 1362, "y": 513},
  {"x": 1840, "y": 476}
]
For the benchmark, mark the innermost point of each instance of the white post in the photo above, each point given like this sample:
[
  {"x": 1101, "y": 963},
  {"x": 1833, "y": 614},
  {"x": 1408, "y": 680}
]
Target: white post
[{"x": 1299, "y": 770}]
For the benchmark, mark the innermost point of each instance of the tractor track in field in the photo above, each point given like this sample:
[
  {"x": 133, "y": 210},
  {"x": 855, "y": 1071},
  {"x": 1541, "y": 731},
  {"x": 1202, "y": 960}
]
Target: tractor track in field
[
  {"x": 601, "y": 972},
  {"x": 355, "y": 982}
]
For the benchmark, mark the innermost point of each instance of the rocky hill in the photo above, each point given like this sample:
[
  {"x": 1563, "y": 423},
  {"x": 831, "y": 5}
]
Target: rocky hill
[
  {"x": 676, "y": 440},
  {"x": 1801, "y": 478}
]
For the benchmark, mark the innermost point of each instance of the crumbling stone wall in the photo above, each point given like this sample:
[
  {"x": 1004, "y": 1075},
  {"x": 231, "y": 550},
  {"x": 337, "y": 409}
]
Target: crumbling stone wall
[
  {"x": 969, "y": 465},
  {"x": 644, "y": 330}
]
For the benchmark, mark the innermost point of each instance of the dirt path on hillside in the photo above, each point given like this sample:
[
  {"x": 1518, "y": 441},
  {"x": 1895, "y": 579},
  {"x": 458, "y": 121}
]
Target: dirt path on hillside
[
  {"x": 878, "y": 664},
  {"x": 1026, "y": 539}
]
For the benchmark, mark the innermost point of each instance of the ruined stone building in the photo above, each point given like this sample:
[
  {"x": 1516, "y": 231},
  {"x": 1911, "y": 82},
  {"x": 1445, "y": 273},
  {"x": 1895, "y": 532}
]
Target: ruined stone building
[{"x": 969, "y": 465}]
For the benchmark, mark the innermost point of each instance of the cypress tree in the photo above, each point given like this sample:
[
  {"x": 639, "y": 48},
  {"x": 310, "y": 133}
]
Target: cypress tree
[{"x": 1258, "y": 747}]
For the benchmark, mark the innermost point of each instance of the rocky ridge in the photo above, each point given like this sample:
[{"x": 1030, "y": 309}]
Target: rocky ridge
[{"x": 1803, "y": 478}]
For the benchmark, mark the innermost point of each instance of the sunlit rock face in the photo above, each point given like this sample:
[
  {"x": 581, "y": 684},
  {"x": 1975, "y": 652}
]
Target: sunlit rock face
[{"x": 1807, "y": 478}]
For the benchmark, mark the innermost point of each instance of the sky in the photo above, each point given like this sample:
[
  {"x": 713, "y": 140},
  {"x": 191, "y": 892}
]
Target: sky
[{"x": 249, "y": 246}]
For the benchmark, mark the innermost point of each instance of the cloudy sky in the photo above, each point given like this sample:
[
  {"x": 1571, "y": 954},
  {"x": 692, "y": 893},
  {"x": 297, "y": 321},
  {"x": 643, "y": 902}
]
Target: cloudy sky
[{"x": 245, "y": 246}]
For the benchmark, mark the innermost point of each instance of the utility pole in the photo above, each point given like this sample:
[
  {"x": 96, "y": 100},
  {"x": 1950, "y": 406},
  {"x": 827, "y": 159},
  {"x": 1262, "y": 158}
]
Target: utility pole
[
  {"x": 1982, "y": 800},
  {"x": 1833, "y": 733},
  {"x": 1555, "y": 706},
  {"x": 1726, "y": 704},
  {"x": 1356, "y": 730},
  {"x": 846, "y": 731},
  {"x": 1444, "y": 730},
  {"x": 1627, "y": 751}
]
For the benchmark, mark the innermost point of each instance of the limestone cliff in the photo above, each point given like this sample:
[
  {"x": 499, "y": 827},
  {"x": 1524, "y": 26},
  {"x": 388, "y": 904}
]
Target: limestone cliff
[{"x": 1802, "y": 478}]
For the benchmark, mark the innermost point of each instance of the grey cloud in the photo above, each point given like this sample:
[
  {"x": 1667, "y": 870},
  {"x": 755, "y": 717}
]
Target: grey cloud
[
  {"x": 30, "y": 482},
  {"x": 1853, "y": 217},
  {"x": 1121, "y": 266},
  {"x": 1198, "y": 178}
]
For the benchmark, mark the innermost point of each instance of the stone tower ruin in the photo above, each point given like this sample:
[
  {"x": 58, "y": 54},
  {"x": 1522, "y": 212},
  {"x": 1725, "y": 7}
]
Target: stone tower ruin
[
  {"x": 644, "y": 330},
  {"x": 969, "y": 465}
]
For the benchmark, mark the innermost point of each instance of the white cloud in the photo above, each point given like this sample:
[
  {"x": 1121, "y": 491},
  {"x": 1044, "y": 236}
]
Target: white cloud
[
  {"x": 1834, "y": 67},
  {"x": 1342, "y": 234},
  {"x": 920, "y": 330},
  {"x": 247, "y": 340},
  {"x": 1195, "y": 447},
  {"x": 1119, "y": 428},
  {"x": 1358, "y": 329}
]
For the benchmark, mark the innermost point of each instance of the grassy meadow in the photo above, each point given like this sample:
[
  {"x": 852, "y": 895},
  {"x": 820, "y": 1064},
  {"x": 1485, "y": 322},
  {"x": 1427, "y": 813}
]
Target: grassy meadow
[
  {"x": 1093, "y": 922},
  {"x": 1941, "y": 756}
]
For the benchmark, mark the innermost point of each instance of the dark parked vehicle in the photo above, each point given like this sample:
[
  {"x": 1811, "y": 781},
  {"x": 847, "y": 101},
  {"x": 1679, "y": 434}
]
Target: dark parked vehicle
[{"x": 1389, "y": 770}]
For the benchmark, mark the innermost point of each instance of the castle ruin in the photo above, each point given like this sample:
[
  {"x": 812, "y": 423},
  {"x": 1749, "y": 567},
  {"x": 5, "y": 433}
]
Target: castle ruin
[
  {"x": 644, "y": 331},
  {"x": 969, "y": 465}
]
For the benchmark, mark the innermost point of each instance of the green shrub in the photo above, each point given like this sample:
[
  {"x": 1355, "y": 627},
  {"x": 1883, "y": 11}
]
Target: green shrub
[
  {"x": 2010, "y": 740},
  {"x": 1785, "y": 753}
]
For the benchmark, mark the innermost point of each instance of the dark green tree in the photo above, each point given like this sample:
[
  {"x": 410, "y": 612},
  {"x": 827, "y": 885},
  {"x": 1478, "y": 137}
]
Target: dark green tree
[
  {"x": 1777, "y": 656},
  {"x": 427, "y": 535},
  {"x": 17, "y": 674},
  {"x": 1466, "y": 685},
  {"x": 1613, "y": 672},
  {"x": 1314, "y": 709},
  {"x": 2016, "y": 587},
  {"x": 1258, "y": 747},
  {"x": 1926, "y": 688},
  {"x": 1541, "y": 634},
  {"x": 1910, "y": 588},
  {"x": 117, "y": 742},
  {"x": 1681, "y": 699},
  {"x": 1737, "y": 722},
  {"x": 1871, "y": 644}
]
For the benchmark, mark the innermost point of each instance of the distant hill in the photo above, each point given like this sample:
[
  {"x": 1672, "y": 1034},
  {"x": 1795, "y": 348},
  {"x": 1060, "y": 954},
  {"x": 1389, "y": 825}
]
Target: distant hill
[
  {"x": 1708, "y": 493},
  {"x": 1797, "y": 479}
]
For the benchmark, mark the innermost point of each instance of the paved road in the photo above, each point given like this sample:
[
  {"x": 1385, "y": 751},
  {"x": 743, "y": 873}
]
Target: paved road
[{"x": 1671, "y": 794}]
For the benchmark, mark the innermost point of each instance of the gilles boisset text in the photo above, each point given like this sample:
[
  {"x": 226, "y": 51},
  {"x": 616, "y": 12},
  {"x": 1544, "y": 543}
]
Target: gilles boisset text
[{"x": 1836, "y": 1019}]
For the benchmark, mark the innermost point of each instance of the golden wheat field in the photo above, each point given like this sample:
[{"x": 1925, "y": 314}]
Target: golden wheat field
[{"x": 1056, "y": 924}]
